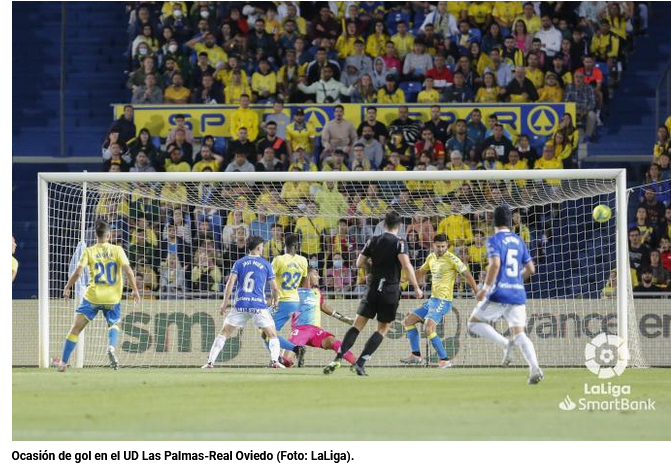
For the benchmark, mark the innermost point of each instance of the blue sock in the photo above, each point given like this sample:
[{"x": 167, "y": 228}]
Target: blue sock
[
  {"x": 68, "y": 347},
  {"x": 413, "y": 336},
  {"x": 438, "y": 345},
  {"x": 113, "y": 336},
  {"x": 286, "y": 344}
]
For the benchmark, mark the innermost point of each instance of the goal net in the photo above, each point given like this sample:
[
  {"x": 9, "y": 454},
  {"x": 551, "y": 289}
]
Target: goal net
[{"x": 183, "y": 232}]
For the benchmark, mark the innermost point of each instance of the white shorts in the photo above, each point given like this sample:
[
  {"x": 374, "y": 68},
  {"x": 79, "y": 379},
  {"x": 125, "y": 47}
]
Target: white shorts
[
  {"x": 261, "y": 318},
  {"x": 489, "y": 311}
]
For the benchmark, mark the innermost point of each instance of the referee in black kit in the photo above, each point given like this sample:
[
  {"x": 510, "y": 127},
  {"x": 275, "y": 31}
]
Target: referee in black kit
[{"x": 382, "y": 258}]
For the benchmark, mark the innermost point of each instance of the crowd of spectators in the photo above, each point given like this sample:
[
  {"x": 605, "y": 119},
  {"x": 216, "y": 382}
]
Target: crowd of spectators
[{"x": 360, "y": 52}]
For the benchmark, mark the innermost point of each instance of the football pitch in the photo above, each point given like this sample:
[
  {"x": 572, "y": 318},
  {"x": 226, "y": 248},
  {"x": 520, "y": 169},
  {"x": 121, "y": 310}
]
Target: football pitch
[{"x": 303, "y": 404}]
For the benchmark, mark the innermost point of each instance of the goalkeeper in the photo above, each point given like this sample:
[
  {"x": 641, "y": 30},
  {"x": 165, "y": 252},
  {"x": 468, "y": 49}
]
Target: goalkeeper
[
  {"x": 306, "y": 321},
  {"x": 443, "y": 267}
]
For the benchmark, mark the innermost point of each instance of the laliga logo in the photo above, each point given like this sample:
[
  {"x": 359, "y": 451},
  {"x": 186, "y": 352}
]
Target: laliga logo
[{"x": 606, "y": 356}]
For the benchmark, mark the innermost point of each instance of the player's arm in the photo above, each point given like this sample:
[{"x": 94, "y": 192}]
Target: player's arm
[
  {"x": 130, "y": 275},
  {"x": 326, "y": 309},
  {"x": 471, "y": 281},
  {"x": 232, "y": 279},
  {"x": 274, "y": 293},
  {"x": 492, "y": 272},
  {"x": 528, "y": 270},
  {"x": 363, "y": 262},
  {"x": 410, "y": 271},
  {"x": 71, "y": 281},
  {"x": 419, "y": 275}
]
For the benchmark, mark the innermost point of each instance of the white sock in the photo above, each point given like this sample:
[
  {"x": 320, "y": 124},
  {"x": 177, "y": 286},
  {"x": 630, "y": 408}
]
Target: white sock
[
  {"x": 527, "y": 349},
  {"x": 485, "y": 330},
  {"x": 217, "y": 346},
  {"x": 274, "y": 346}
]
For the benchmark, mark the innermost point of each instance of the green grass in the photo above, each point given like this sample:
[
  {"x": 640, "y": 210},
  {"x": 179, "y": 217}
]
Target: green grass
[{"x": 303, "y": 404}]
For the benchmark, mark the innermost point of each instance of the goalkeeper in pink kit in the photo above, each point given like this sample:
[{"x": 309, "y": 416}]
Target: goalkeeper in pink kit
[{"x": 306, "y": 322}]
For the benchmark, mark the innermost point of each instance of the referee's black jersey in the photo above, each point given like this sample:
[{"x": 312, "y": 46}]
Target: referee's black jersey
[{"x": 383, "y": 251}]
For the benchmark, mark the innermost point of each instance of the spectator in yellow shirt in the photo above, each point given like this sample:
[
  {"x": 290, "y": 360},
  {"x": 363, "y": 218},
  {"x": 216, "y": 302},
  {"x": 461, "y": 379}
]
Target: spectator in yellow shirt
[
  {"x": 429, "y": 94},
  {"x": 504, "y": 13},
  {"x": 529, "y": 18},
  {"x": 477, "y": 253},
  {"x": 534, "y": 73},
  {"x": 301, "y": 162},
  {"x": 390, "y": 93},
  {"x": 515, "y": 162},
  {"x": 177, "y": 93},
  {"x": 207, "y": 43},
  {"x": 457, "y": 228},
  {"x": 224, "y": 74},
  {"x": 490, "y": 160},
  {"x": 376, "y": 41},
  {"x": 549, "y": 161},
  {"x": 489, "y": 92},
  {"x": 562, "y": 149},
  {"x": 345, "y": 43},
  {"x": 236, "y": 88},
  {"x": 264, "y": 83},
  {"x": 310, "y": 229},
  {"x": 403, "y": 40},
  {"x": 176, "y": 163},
  {"x": 520, "y": 228},
  {"x": 244, "y": 117},
  {"x": 480, "y": 14},
  {"x": 551, "y": 91},
  {"x": 300, "y": 133},
  {"x": 372, "y": 204},
  {"x": 208, "y": 161}
]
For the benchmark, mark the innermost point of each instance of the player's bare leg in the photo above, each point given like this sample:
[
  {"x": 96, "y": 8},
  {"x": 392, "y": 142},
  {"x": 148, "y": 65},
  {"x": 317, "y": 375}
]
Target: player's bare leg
[
  {"x": 520, "y": 340},
  {"x": 484, "y": 330},
  {"x": 348, "y": 341},
  {"x": 218, "y": 345},
  {"x": 410, "y": 323},
  {"x": 70, "y": 342},
  {"x": 430, "y": 331}
]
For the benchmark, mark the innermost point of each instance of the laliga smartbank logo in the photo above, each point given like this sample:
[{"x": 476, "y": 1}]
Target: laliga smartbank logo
[{"x": 606, "y": 356}]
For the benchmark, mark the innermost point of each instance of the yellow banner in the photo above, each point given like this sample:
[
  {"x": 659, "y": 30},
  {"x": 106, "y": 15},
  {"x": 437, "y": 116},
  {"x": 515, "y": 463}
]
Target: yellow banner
[{"x": 534, "y": 119}]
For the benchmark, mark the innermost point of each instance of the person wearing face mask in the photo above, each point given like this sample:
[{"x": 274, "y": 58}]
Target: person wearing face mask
[
  {"x": 145, "y": 44},
  {"x": 206, "y": 11}
]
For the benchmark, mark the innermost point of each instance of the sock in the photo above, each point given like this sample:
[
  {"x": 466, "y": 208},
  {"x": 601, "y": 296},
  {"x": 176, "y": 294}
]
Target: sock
[
  {"x": 527, "y": 349},
  {"x": 438, "y": 345},
  {"x": 369, "y": 348},
  {"x": 274, "y": 346},
  {"x": 413, "y": 336},
  {"x": 349, "y": 356},
  {"x": 347, "y": 342},
  {"x": 217, "y": 346},
  {"x": 485, "y": 330},
  {"x": 113, "y": 336},
  {"x": 68, "y": 347}
]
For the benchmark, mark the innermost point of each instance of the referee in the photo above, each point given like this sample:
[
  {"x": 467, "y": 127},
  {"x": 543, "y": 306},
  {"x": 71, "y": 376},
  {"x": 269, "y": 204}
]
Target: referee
[{"x": 382, "y": 258}]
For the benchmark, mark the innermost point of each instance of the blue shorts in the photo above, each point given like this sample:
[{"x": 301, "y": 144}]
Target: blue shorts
[
  {"x": 283, "y": 312},
  {"x": 434, "y": 309},
  {"x": 89, "y": 310}
]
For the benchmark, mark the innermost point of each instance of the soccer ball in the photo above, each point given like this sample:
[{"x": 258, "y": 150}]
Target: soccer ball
[{"x": 602, "y": 213}]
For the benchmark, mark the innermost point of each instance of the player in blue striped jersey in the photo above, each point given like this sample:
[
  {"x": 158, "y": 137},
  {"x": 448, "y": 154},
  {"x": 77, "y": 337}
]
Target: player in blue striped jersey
[
  {"x": 251, "y": 274},
  {"x": 503, "y": 294}
]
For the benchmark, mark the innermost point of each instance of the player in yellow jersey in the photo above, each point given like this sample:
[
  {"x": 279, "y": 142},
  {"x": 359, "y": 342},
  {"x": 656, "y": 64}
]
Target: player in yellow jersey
[
  {"x": 106, "y": 264},
  {"x": 290, "y": 270},
  {"x": 444, "y": 267}
]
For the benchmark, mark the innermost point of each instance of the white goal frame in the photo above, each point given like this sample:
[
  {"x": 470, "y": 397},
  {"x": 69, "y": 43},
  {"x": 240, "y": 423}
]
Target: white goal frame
[{"x": 619, "y": 175}]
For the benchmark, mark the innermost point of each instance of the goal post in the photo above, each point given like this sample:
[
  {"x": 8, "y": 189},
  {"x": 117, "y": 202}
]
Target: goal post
[{"x": 175, "y": 322}]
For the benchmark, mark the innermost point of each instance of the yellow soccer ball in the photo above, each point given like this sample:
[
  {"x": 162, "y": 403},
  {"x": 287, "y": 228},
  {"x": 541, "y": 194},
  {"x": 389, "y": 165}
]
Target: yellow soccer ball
[{"x": 602, "y": 213}]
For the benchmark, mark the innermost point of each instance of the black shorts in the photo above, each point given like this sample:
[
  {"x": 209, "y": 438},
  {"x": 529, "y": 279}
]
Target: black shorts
[{"x": 381, "y": 305}]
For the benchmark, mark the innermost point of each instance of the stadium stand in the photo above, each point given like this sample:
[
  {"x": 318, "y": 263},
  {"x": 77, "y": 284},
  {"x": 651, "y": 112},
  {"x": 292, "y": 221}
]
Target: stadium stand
[{"x": 353, "y": 52}]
